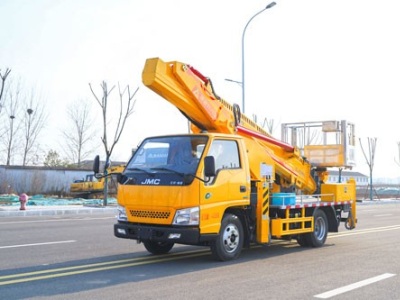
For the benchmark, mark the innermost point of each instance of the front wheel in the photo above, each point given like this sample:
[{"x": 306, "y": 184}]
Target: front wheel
[
  {"x": 229, "y": 243},
  {"x": 158, "y": 247},
  {"x": 318, "y": 237}
]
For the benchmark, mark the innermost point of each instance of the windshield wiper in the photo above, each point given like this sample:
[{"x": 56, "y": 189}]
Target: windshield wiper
[
  {"x": 142, "y": 170},
  {"x": 171, "y": 170},
  {"x": 184, "y": 175}
]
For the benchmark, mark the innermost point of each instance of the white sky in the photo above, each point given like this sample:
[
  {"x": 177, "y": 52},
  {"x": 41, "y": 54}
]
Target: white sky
[{"x": 305, "y": 60}]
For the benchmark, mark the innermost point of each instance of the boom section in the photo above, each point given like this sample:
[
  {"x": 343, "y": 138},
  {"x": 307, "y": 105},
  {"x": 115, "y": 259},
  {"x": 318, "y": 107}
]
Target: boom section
[{"x": 193, "y": 94}]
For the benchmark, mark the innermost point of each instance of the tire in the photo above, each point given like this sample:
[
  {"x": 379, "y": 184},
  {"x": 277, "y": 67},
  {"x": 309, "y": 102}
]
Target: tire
[
  {"x": 229, "y": 243},
  {"x": 318, "y": 237},
  {"x": 158, "y": 247},
  {"x": 302, "y": 241}
]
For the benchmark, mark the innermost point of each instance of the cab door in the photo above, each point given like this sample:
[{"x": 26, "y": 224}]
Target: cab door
[{"x": 228, "y": 188}]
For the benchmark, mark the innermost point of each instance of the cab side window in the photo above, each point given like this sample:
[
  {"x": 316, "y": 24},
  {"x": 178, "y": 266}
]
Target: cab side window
[{"x": 226, "y": 154}]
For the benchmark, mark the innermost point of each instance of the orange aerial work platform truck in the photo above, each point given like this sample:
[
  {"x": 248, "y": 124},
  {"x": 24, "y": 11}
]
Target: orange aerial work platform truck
[{"x": 228, "y": 184}]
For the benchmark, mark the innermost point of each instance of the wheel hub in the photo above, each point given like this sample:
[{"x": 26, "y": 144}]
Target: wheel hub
[{"x": 231, "y": 238}]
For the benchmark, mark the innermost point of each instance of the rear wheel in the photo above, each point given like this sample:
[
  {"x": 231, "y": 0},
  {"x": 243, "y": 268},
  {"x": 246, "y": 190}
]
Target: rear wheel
[
  {"x": 158, "y": 247},
  {"x": 302, "y": 241},
  {"x": 229, "y": 243},
  {"x": 318, "y": 237}
]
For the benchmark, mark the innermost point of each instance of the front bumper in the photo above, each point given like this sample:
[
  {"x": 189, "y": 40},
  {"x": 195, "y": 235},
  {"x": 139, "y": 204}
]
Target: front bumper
[{"x": 188, "y": 236}]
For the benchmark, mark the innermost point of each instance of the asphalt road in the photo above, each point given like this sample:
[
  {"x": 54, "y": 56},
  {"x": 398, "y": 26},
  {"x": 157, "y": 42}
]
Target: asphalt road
[{"x": 77, "y": 257}]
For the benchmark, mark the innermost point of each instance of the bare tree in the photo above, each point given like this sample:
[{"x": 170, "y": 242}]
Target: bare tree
[
  {"x": 81, "y": 133},
  {"x": 3, "y": 78},
  {"x": 26, "y": 113},
  {"x": 11, "y": 128},
  {"x": 267, "y": 124},
  {"x": 397, "y": 161},
  {"x": 370, "y": 160},
  {"x": 53, "y": 159},
  {"x": 312, "y": 137},
  {"x": 305, "y": 136},
  {"x": 124, "y": 112},
  {"x": 33, "y": 123}
]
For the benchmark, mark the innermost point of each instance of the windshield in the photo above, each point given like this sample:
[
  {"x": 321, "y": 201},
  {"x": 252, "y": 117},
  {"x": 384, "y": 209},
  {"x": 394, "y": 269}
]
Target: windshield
[{"x": 177, "y": 153}]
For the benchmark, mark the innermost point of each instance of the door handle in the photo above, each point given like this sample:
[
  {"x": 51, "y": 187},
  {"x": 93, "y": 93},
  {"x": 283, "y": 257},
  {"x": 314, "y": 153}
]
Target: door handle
[{"x": 242, "y": 188}]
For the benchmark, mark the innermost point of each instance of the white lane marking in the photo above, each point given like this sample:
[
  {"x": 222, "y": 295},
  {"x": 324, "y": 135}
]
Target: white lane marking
[
  {"x": 363, "y": 231},
  {"x": 384, "y": 215},
  {"x": 353, "y": 286},
  {"x": 37, "y": 244}
]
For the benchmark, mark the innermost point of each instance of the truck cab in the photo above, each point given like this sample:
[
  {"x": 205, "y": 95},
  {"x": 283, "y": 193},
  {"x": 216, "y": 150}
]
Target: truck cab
[{"x": 176, "y": 189}]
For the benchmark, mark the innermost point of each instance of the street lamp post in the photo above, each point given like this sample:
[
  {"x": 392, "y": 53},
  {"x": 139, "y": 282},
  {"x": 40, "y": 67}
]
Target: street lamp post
[
  {"x": 27, "y": 134},
  {"x": 12, "y": 117},
  {"x": 244, "y": 31},
  {"x": 29, "y": 111}
]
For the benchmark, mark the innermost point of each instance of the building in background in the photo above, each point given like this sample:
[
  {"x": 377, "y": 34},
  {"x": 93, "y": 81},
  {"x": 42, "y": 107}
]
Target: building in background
[{"x": 361, "y": 179}]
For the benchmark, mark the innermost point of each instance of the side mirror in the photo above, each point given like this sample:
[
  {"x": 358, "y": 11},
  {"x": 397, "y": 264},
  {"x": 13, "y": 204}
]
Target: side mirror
[
  {"x": 120, "y": 178},
  {"x": 96, "y": 164},
  {"x": 209, "y": 166}
]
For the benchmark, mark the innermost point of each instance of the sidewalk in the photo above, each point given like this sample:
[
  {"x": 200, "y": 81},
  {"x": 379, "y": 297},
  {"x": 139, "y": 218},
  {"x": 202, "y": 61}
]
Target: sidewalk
[{"x": 13, "y": 211}]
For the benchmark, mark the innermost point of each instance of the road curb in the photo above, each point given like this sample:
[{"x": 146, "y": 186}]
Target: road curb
[{"x": 54, "y": 211}]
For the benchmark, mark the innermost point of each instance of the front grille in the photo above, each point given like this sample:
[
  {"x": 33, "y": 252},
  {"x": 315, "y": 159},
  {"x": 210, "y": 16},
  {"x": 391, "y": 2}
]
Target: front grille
[{"x": 150, "y": 214}]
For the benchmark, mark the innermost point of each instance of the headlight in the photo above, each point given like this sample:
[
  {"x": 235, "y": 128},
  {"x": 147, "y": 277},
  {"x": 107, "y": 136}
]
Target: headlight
[
  {"x": 187, "y": 216},
  {"x": 121, "y": 213}
]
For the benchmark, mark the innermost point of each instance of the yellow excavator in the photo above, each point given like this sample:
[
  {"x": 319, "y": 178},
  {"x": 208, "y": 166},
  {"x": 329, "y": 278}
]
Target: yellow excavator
[{"x": 92, "y": 187}]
